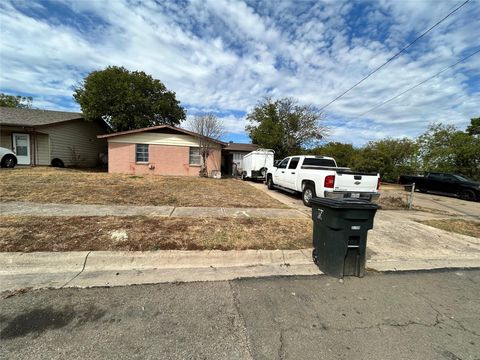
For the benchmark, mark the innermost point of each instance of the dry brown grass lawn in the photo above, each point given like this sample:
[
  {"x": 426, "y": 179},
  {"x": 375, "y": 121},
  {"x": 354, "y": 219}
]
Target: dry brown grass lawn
[
  {"x": 50, "y": 185},
  {"x": 392, "y": 203},
  {"x": 29, "y": 234},
  {"x": 464, "y": 227}
]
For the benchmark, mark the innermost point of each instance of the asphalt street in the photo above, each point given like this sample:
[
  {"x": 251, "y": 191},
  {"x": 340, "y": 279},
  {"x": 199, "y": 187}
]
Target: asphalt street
[{"x": 422, "y": 315}]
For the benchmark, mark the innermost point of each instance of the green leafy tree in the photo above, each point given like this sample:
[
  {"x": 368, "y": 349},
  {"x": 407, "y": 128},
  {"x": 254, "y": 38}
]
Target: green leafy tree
[
  {"x": 390, "y": 157},
  {"x": 15, "y": 101},
  {"x": 344, "y": 154},
  {"x": 285, "y": 126},
  {"x": 474, "y": 127},
  {"x": 127, "y": 100},
  {"x": 444, "y": 148}
]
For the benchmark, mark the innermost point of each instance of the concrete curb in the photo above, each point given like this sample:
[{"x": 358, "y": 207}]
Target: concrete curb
[{"x": 106, "y": 268}]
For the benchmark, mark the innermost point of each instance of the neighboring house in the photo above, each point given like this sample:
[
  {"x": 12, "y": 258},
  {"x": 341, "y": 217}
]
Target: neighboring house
[
  {"x": 232, "y": 157},
  {"x": 159, "y": 150},
  {"x": 43, "y": 137}
]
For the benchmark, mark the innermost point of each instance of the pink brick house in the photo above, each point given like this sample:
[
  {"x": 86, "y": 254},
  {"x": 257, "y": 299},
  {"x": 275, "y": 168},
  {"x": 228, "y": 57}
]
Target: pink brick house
[{"x": 159, "y": 150}]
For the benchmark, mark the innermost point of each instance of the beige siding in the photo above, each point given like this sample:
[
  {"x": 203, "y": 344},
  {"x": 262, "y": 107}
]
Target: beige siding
[
  {"x": 75, "y": 142},
  {"x": 42, "y": 153},
  {"x": 156, "y": 138}
]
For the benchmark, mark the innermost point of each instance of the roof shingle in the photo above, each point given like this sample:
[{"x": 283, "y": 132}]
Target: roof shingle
[
  {"x": 241, "y": 147},
  {"x": 34, "y": 117}
]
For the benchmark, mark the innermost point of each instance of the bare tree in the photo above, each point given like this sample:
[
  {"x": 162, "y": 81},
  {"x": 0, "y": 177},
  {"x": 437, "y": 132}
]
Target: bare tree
[{"x": 208, "y": 127}]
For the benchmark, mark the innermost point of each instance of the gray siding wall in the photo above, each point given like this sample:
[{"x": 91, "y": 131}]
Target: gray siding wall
[
  {"x": 40, "y": 141},
  {"x": 5, "y": 138},
  {"x": 75, "y": 142},
  {"x": 42, "y": 153}
]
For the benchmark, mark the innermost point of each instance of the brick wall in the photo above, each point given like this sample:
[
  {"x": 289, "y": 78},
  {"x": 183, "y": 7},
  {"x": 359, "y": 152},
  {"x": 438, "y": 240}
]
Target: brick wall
[{"x": 165, "y": 160}]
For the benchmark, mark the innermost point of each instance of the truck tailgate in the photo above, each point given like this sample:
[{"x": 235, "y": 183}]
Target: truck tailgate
[{"x": 355, "y": 182}]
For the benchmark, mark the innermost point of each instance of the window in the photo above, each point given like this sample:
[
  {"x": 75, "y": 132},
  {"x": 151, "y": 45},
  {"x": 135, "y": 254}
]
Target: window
[
  {"x": 462, "y": 178},
  {"x": 436, "y": 177},
  {"x": 141, "y": 153},
  {"x": 195, "y": 158},
  {"x": 319, "y": 162},
  {"x": 449, "y": 177},
  {"x": 237, "y": 157},
  {"x": 293, "y": 163},
  {"x": 283, "y": 164}
]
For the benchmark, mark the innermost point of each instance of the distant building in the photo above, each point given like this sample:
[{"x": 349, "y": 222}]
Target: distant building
[
  {"x": 160, "y": 150},
  {"x": 232, "y": 157},
  {"x": 44, "y": 137}
]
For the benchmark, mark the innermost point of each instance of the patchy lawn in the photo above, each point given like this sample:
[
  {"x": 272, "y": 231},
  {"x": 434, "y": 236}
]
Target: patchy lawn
[
  {"x": 27, "y": 234},
  {"x": 464, "y": 227},
  {"x": 70, "y": 186},
  {"x": 400, "y": 202},
  {"x": 392, "y": 202}
]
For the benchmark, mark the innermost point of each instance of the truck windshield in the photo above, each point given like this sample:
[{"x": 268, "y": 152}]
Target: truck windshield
[{"x": 319, "y": 162}]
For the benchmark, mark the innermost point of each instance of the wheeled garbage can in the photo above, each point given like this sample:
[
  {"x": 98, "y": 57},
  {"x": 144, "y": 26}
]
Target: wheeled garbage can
[{"x": 340, "y": 229}]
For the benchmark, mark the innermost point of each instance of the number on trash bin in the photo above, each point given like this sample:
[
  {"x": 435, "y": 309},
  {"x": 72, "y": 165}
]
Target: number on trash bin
[{"x": 320, "y": 213}]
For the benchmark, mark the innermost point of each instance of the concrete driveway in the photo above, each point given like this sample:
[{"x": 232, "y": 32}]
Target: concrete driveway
[
  {"x": 443, "y": 203},
  {"x": 467, "y": 209},
  {"x": 397, "y": 234}
]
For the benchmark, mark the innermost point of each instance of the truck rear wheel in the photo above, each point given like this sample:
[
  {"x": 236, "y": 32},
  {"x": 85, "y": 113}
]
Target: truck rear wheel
[
  {"x": 307, "y": 194},
  {"x": 270, "y": 184}
]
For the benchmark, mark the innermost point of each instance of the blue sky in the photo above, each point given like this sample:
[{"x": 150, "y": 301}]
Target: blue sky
[{"x": 223, "y": 56}]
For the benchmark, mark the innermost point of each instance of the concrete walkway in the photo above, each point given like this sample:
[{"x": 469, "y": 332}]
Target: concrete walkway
[
  {"x": 39, "y": 209},
  {"x": 110, "y": 268}
]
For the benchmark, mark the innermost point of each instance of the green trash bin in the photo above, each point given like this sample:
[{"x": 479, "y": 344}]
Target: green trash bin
[{"x": 340, "y": 229}]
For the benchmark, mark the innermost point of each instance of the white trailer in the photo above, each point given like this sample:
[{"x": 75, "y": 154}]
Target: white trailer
[{"x": 257, "y": 163}]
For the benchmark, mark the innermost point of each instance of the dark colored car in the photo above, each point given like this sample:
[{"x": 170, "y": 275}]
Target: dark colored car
[{"x": 455, "y": 184}]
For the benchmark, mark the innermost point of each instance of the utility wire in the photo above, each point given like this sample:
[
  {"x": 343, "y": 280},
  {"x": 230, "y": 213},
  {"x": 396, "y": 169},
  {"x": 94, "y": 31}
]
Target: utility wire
[
  {"x": 420, "y": 83},
  {"x": 396, "y": 55}
]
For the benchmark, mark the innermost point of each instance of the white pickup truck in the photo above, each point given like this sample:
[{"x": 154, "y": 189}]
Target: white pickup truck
[{"x": 319, "y": 176}]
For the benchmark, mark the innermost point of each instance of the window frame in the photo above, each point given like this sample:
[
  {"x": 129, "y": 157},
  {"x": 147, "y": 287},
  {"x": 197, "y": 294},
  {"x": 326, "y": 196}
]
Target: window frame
[
  {"x": 190, "y": 156},
  {"x": 286, "y": 163},
  {"x": 292, "y": 160},
  {"x": 307, "y": 160},
  {"x": 147, "y": 152}
]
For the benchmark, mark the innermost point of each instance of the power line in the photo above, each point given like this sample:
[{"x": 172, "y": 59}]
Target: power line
[
  {"x": 396, "y": 55},
  {"x": 420, "y": 83}
]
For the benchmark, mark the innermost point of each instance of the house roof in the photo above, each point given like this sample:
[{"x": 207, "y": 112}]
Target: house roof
[
  {"x": 158, "y": 127},
  {"x": 34, "y": 117},
  {"x": 241, "y": 147}
]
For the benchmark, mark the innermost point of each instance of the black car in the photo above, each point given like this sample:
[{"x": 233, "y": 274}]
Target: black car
[{"x": 455, "y": 184}]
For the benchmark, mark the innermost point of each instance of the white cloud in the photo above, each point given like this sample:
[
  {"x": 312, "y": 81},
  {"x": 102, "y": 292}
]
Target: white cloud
[{"x": 223, "y": 56}]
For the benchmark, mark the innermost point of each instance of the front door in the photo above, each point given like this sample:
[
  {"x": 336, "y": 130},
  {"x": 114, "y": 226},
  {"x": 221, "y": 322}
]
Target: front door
[{"x": 21, "y": 148}]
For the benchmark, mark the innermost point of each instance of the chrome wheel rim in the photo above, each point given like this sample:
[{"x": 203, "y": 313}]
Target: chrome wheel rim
[{"x": 307, "y": 195}]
